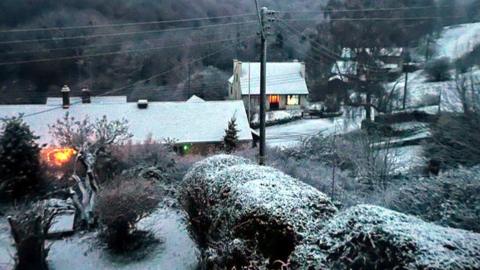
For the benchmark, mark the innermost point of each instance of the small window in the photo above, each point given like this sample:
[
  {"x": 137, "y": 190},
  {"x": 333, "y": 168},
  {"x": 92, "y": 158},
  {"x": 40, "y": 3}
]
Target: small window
[
  {"x": 293, "y": 100},
  {"x": 274, "y": 99}
]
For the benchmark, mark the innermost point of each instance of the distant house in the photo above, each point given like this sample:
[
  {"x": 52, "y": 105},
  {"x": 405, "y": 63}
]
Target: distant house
[
  {"x": 195, "y": 126},
  {"x": 388, "y": 59},
  {"x": 286, "y": 87}
]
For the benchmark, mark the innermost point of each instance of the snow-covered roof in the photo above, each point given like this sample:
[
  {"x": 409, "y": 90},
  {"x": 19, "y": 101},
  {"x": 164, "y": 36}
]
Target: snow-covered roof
[
  {"x": 56, "y": 101},
  {"x": 195, "y": 99},
  {"x": 283, "y": 78},
  {"x": 184, "y": 122}
]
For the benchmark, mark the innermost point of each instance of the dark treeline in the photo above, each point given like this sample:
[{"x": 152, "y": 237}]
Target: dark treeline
[{"x": 32, "y": 82}]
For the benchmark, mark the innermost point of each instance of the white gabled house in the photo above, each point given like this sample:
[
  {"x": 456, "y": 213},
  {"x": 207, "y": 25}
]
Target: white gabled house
[
  {"x": 195, "y": 125},
  {"x": 286, "y": 85}
]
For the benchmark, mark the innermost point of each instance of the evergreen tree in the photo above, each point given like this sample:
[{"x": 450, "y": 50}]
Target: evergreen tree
[
  {"x": 230, "y": 140},
  {"x": 19, "y": 158}
]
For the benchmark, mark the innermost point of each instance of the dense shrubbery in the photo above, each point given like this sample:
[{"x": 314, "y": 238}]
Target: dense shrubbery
[
  {"x": 455, "y": 141},
  {"x": 438, "y": 70},
  {"x": 120, "y": 206},
  {"x": 450, "y": 199},
  {"x": 19, "y": 159}
]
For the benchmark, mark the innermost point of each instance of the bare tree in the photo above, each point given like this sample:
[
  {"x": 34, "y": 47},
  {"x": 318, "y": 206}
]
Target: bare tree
[
  {"x": 371, "y": 157},
  {"x": 88, "y": 139}
]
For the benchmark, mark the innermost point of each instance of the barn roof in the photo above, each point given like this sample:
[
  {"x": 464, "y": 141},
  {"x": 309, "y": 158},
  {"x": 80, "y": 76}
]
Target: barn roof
[
  {"x": 184, "y": 122},
  {"x": 283, "y": 78}
]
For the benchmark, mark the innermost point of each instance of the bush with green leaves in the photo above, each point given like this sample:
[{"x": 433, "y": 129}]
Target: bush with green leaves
[{"x": 19, "y": 159}]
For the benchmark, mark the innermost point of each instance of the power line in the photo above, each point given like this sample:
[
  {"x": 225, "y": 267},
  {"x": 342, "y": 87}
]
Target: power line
[
  {"x": 116, "y": 90},
  {"x": 87, "y": 46},
  {"x": 380, "y": 19},
  {"x": 124, "y": 33},
  {"x": 369, "y": 9},
  {"x": 329, "y": 53},
  {"x": 108, "y": 53},
  {"x": 125, "y": 24}
]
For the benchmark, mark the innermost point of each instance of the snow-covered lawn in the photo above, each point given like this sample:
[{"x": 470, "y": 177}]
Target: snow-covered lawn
[
  {"x": 291, "y": 134},
  {"x": 177, "y": 251},
  {"x": 458, "y": 40}
]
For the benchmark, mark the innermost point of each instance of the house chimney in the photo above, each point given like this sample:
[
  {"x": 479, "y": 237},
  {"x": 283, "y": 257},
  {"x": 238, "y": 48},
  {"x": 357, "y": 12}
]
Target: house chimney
[
  {"x": 303, "y": 71},
  {"x": 142, "y": 103},
  {"x": 237, "y": 70},
  {"x": 65, "y": 97},
  {"x": 86, "y": 95}
]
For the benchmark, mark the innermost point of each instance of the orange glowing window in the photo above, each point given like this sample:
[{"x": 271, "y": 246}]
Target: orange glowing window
[
  {"x": 274, "y": 99},
  {"x": 59, "y": 156}
]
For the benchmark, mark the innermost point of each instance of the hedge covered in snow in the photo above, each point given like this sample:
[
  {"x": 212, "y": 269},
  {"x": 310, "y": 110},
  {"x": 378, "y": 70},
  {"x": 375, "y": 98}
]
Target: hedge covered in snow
[
  {"x": 372, "y": 237},
  {"x": 248, "y": 215},
  {"x": 244, "y": 213}
]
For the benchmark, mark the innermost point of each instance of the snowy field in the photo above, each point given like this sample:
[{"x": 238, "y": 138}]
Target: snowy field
[
  {"x": 458, "y": 40},
  {"x": 177, "y": 251},
  {"x": 291, "y": 134}
]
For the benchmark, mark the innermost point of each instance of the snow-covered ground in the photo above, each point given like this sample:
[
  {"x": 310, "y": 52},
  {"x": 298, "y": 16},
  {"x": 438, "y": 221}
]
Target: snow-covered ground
[
  {"x": 454, "y": 42},
  {"x": 275, "y": 116},
  {"x": 177, "y": 251},
  {"x": 6, "y": 252},
  {"x": 291, "y": 134},
  {"x": 458, "y": 40}
]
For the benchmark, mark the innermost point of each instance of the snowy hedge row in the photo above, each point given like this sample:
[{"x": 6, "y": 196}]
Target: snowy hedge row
[{"x": 248, "y": 215}]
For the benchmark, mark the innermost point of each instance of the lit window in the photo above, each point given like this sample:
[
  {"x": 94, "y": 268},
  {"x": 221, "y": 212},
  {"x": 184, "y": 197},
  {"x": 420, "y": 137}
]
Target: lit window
[
  {"x": 274, "y": 99},
  {"x": 293, "y": 100}
]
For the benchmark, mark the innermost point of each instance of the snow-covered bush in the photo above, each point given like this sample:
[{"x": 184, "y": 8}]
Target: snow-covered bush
[
  {"x": 121, "y": 204},
  {"x": 261, "y": 218},
  {"x": 438, "y": 70},
  {"x": 450, "y": 199},
  {"x": 372, "y": 237},
  {"x": 150, "y": 159},
  {"x": 193, "y": 194},
  {"x": 246, "y": 213},
  {"x": 19, "y": 159}
]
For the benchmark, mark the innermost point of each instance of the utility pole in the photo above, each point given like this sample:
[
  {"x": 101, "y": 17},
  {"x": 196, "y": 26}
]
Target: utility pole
[
  {"x": 405, "y": 90},
  {"x": 263, "y": 84},
  {"x": 407, "y": 68},
  {"x": 264, "y": 17},
  {"x": 188, "y": 81}
]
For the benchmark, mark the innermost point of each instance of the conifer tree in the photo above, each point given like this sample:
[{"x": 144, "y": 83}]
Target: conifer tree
[
  {"x": 230, "y": 140},
  {"x": 19, "y": 158}
]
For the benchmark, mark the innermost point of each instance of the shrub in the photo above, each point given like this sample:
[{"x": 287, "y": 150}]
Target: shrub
[
  {"x": 150, "y": 159},
  {"x": 19, "y": 159},
  {"x": 438, "y": 69},
  {"x": 455, "y": 141},
  {"x": 29, "y": 229},
  {"x": 230, "y": 140},
  {"x": 120, "y": 206},
  {"x": 450, "y": 199}
]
